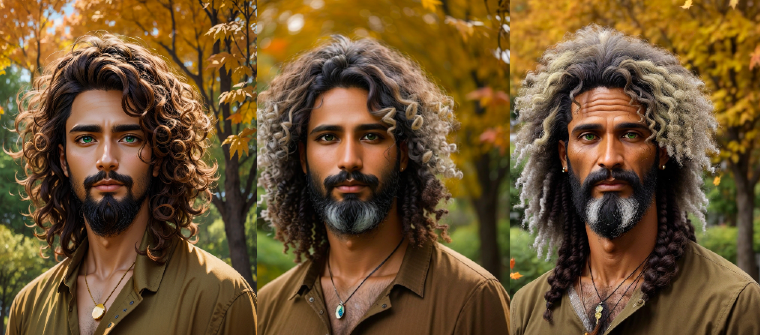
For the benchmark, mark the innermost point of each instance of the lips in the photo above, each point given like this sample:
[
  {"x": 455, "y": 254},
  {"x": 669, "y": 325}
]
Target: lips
[
  {"x": 107, "y": 185},
  {"x": 610, "y": 186},
  {"x": 350, "y": 187}
]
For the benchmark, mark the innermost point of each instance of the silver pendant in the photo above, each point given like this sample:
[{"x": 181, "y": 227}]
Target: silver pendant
[{"x": 340, "y": 311}]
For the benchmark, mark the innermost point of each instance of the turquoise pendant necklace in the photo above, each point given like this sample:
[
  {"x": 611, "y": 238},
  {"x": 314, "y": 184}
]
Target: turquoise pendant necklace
[{"x": 340, "y": 311}]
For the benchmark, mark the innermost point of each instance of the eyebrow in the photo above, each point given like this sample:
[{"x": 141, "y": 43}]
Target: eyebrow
[
  {"x": 361, "y": 127},
  {"x": 596, "y": 126},
  {"x": 94, "y": 128}
]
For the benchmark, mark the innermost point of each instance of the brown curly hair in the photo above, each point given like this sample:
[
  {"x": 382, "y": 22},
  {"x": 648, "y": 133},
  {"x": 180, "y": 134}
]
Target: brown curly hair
[
  {"x": 168, "y": 109},
  {"x": 418, "y": 113}
]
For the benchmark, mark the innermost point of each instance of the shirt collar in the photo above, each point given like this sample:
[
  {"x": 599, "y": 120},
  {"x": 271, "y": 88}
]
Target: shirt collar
[
  {"x": 412, "y": 274},
  {"x": 147, "y": 273}
]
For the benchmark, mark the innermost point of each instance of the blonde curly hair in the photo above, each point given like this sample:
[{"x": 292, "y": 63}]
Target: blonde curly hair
[{"x": 419, "y": 114}]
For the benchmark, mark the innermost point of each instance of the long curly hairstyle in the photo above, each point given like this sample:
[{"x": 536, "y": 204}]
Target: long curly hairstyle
[
  {"x": 418, "y": 113},
  {"x": 170, "y": 113},
  {"x": 676, "y": 109}
]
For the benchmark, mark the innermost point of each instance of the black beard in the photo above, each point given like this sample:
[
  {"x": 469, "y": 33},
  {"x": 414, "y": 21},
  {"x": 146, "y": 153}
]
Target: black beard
[
  {"x": 612, "y": 216},
  {"x": 110, "y": 217},
  {"x": 353, "y": 216}
]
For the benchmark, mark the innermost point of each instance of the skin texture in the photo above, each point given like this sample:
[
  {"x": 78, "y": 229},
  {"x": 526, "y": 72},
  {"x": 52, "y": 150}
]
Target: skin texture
[
  {"x": 87, "y": 153},
  {"x": 606, "y": 133},
  {"x": 351, "y": 146}
]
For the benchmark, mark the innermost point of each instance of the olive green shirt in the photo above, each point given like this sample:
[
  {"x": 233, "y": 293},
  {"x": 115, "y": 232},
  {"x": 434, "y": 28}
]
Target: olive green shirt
[
  {"x": 192, "y": 293},
  {"x": 436, "y": 291},
  {"x": 709, "y": 295}
]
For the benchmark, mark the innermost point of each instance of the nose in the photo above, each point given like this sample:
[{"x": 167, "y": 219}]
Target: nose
[
  {"x": 108, "y": 160},
  {"x": 350, "y": 156},
  {"x": 611, "y": 156}
]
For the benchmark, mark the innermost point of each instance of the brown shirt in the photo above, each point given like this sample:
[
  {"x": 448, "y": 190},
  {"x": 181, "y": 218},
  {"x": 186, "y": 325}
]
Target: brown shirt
[
  {"x": 192, "y": 293},
  {"x": 436, "y": 291},
  {"x": 709, "y": 295}
]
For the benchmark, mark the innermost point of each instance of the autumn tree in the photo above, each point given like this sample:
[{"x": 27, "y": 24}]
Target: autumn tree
[
  {"x": 463, "y": 45},
  {"x": 715, "y": 40},
  {"x": 27, "y": 33},
  {"x": 213, "y": 44}
]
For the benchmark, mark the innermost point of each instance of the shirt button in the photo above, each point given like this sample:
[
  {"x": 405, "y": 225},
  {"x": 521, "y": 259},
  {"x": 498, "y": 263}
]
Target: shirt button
[
  {"x": 131, "y": 302},
  {"x": 117, "y": 316},
  {"x": 384, "y": 305},
  {"x": 641, "y": 301},
  {"x": 125, "y": 309},
  {"x": 311, "y": 299},
  {"x": 321, "y": 312},
  {"x": 110, "y": 324}
]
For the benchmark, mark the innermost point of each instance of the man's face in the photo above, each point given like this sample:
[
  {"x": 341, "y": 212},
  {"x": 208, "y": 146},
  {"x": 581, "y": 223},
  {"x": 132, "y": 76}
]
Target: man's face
[
  {"x": 351, "y": 162},
  {"x": 613, "y": 169},
  {"x": 102, "y": 161}
]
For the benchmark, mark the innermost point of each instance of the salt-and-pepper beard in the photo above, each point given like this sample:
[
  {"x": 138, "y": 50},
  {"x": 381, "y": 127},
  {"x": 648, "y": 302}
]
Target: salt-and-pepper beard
[
  {"x": 110, "y": 217},
  {"x": 612, "y": 215},
  {"x": 353, "y": 216}
]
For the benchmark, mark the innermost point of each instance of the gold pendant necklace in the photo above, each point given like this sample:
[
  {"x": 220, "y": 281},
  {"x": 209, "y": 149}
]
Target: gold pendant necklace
[{"x": 100, "y": 309}]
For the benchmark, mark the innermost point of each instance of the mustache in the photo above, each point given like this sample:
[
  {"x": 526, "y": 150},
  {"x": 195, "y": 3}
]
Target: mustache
[
  {"x": 91, "y": 180},
  {"x": 603, "y": 174},
  {"x": 367, "y": 179}
]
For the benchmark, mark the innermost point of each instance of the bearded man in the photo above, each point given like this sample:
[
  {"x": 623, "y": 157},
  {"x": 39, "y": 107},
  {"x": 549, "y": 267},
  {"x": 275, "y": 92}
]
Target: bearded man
[
  {"x": 351, "y": 135},
  {"x": 113, "y": 144},
  {"x": 616, "y": 134}
]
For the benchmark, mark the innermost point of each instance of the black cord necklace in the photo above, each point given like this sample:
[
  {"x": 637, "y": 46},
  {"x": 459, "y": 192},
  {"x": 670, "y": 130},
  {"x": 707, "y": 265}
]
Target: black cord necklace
[
  {"x": 341, "y": 309},
  {"x": 600, "y": 307}
]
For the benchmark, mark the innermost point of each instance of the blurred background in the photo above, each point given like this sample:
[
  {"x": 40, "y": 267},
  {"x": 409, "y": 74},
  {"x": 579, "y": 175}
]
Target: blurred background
[
  {"x": 464, "y": 47},
  {"x": 717, "y": 40},
  {"x": 212, "y": 44}
]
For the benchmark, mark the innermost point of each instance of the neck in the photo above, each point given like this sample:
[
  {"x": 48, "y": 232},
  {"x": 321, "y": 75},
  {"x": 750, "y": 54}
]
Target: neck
[
  {"x": 355, "y": 256},
  {"x": 613, "y": 260},
  {"x": 109, "y": 254}
]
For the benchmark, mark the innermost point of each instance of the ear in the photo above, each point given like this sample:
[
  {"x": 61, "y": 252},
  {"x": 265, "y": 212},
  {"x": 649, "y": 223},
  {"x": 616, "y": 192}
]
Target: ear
[
  {"x": 62, "y": 158},
  {"x": 562, "y": 149},
  {"x": 664, "y": 158},
  {"x": 156, "y": 168},
  {"x": 404, "y": 149},
  {"x": 302, "y": 156}
]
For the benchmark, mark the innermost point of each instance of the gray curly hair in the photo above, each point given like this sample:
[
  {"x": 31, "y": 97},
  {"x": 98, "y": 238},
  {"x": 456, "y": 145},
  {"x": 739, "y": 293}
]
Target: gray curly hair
[
  {"x": 417, "y": 112},
  {"x": 676, "y": 109}
]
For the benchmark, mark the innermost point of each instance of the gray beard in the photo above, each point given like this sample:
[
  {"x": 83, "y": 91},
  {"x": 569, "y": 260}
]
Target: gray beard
[{"x": 625, "y": 216}]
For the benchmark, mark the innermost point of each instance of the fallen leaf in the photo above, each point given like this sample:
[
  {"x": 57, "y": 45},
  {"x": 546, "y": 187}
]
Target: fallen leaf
[
  {"x": 515, "y": 275},
  {"x": 511, "y": 263}
]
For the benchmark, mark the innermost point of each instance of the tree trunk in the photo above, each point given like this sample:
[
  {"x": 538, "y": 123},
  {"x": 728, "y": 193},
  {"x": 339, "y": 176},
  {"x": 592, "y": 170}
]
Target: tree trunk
[
  {"x": 485, "y": 208},
  {"x": 745, "y": 203}
]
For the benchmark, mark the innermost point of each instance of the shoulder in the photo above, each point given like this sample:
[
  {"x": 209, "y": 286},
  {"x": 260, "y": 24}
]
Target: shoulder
[
  {"x": 209, "y": 273},
  {"x": 529, "y": 300},
  {"x": 702, "y": 262},
  {"x": 31, "y": 299},
  {"x": 284, "y": 286},
  {"x": 450, "y": 263}
]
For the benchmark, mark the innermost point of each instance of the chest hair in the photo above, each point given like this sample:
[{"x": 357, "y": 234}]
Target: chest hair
[
  {"x": 357, "y": 306},
  {"x": 590, "y": 299}
]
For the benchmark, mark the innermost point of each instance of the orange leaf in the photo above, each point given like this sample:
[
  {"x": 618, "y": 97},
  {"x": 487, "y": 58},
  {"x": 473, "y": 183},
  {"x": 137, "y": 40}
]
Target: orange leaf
[
  {"x": 431, "y": 4},
  {"x": 687, "y": 5},
  {"x": 218, "y": 60},
  {"x": 515, "y": 275},
  {"x": 237, "y": 144},
  {"x": 754, "y": 58},
  {"x": 511, "y": 263}
]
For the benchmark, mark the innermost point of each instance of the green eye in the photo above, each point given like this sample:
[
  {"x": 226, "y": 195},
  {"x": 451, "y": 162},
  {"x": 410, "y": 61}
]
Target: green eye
[
  {"x": 588, "y": 137},
  {"x": 371, "y": 137},
  {"x": 130, "y": 139},
  {"x": 86, "y": 139},
  {"x": 631, "y": 136},
  {"x": 327, "y": 137}
]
